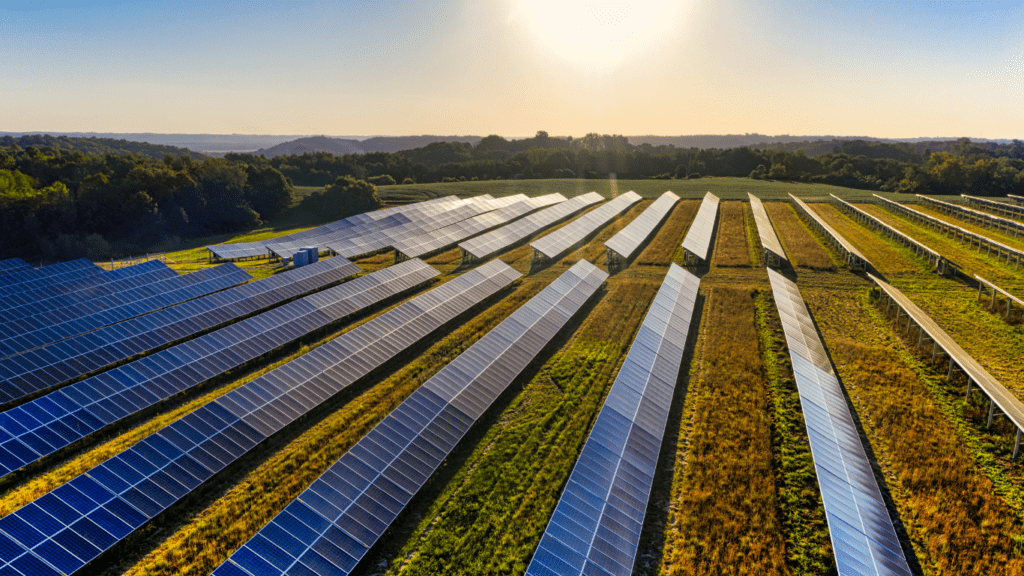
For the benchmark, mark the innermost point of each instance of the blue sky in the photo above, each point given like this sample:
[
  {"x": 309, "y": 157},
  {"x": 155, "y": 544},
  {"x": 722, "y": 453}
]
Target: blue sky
[{"x": 512, "y": 67}]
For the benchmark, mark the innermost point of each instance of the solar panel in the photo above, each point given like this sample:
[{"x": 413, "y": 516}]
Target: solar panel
[
  {"x": 863, "y": 538},
  {"x": 596, "y": 525},
  {"x": 49, "y": 423},
  {"x": 443, "y": 238},
  {"x": 36, "y": 277},
  {"x": 697, "y": 243},
  {"x": 1001, "y": 250},
  {"x": 64, "y": 361},
  {"x": 627, "y": 242},
  {"x": 331, "y": 525},
  {"x": 39, "y": 300},
  {"x": 13, "y": 265},
  {"x": 773, "y": 252},
  {"x": 62, "y": 323},
  {"x": 939, "y": 263},
  {"x": 258, "y": 249},
  {"x": 110, "y": 501},
  {"x": 976, "y": 216},
  {"x": 1006, "y": 208},
  {"x": 852, "y": 256},
  {"x": 561, "y": 240}
]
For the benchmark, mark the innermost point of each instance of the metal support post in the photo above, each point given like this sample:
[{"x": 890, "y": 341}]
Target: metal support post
[
  {"x": 1016, "y": 445},
  {"x": 991, "y": 411}
]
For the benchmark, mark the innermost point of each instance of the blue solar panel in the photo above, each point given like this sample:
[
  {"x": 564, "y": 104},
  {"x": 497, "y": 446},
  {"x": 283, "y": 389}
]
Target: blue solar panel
[
  {"x": 596, "y": 525},
  {"x": 64, "y": 361},
  {"x": 13, "y": 265},
  {"x": 863, "y": 537},
  {"x": 61, "y": 323},
  {"x": 38, "y": 277},
  {"x": 332, "y": 524},
  {"x": 54, "y": 421},
  {"x": 110, "y": 501}
]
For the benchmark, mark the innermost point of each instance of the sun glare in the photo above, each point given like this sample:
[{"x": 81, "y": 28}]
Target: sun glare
[{"x": 599, "y": 34}]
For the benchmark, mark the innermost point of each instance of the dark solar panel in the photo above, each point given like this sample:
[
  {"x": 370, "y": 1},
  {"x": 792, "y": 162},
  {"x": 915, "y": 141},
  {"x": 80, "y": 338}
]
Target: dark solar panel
[
  {"x": 628, "y": 241},
  {"x": 60, "y": 323},
  {"x": 497, "y": 240},
  {"x": 334, "y": 522},
  {"x": 13, "y": 265},
  {"x": 64, "y": 361},
  {"x": 51, "y": 422},
  {"x": 38, "y": 277},
  {"x": 110, "y": 501},
  {"x": 557, "y": 242},
  {"x": 863, "y": 538},
  {"x": 596, "y": 525}
]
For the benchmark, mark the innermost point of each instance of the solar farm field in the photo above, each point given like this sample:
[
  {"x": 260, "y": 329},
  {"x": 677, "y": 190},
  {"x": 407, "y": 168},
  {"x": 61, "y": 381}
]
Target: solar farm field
[{"x": 531, "y": 411}]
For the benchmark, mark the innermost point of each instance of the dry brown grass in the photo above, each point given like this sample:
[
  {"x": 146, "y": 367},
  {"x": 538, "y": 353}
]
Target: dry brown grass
[
  {"x": 801, "y": 247},
  {"x": 731, "y": 244},
  {"x": 725, "y": 509}
]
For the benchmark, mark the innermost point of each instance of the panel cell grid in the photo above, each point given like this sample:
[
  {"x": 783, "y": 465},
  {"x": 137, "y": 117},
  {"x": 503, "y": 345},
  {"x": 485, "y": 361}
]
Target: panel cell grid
[
  {"x": 61, "y": 362},
  {"x": 147, "y": 478},
  {"x": 353, "y": 503},
  {"x": 698, "y": 238},
  {"x": 860, "y": 528},
  {"x": 94, "y": 403},
  {"x": 554, "y": 244},
  {"x": 47, "y": 275},
  {"x": 628, "y": 241},
  {"x": 600, "y": 513},
  {"x": 13, "y": 265}
]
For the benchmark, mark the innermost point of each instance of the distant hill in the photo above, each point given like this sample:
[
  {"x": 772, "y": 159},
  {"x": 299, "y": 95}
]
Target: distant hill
[
  {"x": 95, "y": 145},
  {"x": 340, "y": 146},
  {"x": 764, "y": 141}
]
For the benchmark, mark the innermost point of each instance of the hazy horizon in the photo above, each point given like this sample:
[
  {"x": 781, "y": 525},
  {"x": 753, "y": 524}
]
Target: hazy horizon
[{"x": 512, "y": 67}]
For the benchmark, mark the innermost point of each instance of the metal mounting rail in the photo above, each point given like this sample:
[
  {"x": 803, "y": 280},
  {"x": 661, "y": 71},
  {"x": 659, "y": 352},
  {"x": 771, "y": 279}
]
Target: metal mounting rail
[
  {"x": 1001, "y": 250},
  {"x": 975, "y": 216},
  {"x": 997, "y": 394},
  {"x": 853, "y": 257},
  {"x": 986, "y": 288},
  {"x": 939, "y": 263}
]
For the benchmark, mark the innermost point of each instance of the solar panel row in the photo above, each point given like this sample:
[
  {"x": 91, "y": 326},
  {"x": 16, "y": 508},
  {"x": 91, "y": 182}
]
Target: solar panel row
[
  {"x": 76, "y": 522},
  {"x": 976, "y": 216},
  {"x": 938, "y": 262},
  {"x": 853, "y": 257},
  {"x": 419, "y": 246},
  {"x": 30, "y": 302},
  {"x": 64, "y": 361},
  {"x": 769, "y": 241},
  {"x": 863, "y": 538},
  {"x": 43, "y": 310},
  {"x": 49, "y": 423},
  {"x": 557, "y": 242},
  {"x": 39, "y": 277},
  {"x": 436, "y": 217},
  {"x": 259, "y": 249},
  {"x": 497, "y": 240},
  {"x": 13, "y": 265},
  {"x": 330, "y": 526},
  {"x": 697, "y": 243},
  {"x": 1004, "y": 208},
  {"x": 999, "y": 249},
  {"x": 627, "y": 242},
  {"x": 596, "y": 525},
  {"x": 29, "y": 333}
]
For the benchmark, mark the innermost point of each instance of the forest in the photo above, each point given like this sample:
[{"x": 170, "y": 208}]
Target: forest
[{"x": 63, "y": 198}]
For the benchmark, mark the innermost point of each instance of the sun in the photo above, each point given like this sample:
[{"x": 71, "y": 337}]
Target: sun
[{"x": 599, "y": 34}]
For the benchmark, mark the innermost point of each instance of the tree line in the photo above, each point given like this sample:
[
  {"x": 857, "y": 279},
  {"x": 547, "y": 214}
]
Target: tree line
[{"x": 59, "y": 203}]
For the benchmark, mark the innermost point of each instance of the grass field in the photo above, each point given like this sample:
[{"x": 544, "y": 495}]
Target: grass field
[{"x": 735, "y": 490}]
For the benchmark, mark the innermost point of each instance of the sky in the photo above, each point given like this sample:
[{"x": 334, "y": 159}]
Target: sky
[{"x": 896, "y": 69}]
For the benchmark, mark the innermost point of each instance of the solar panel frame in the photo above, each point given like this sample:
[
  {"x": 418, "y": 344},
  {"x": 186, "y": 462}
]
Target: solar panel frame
[
  {"x": 611, "y": 481},
  {"x": 350, "y": 506},
  {"x": 167, "y": 465},
  {"x": 697, "y": 243},
  {"x": 854, "y": 259},
  {"x": 1008, "y": 208},
  {"x": 862, "y": 533},
  {"x": 498, "y": 240},
  {"x": 144, "y": 382},
  {"x": 628, "y": 241},
  {"x": 61, "y": 362},
  {"x": 558, "y": 242}
]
